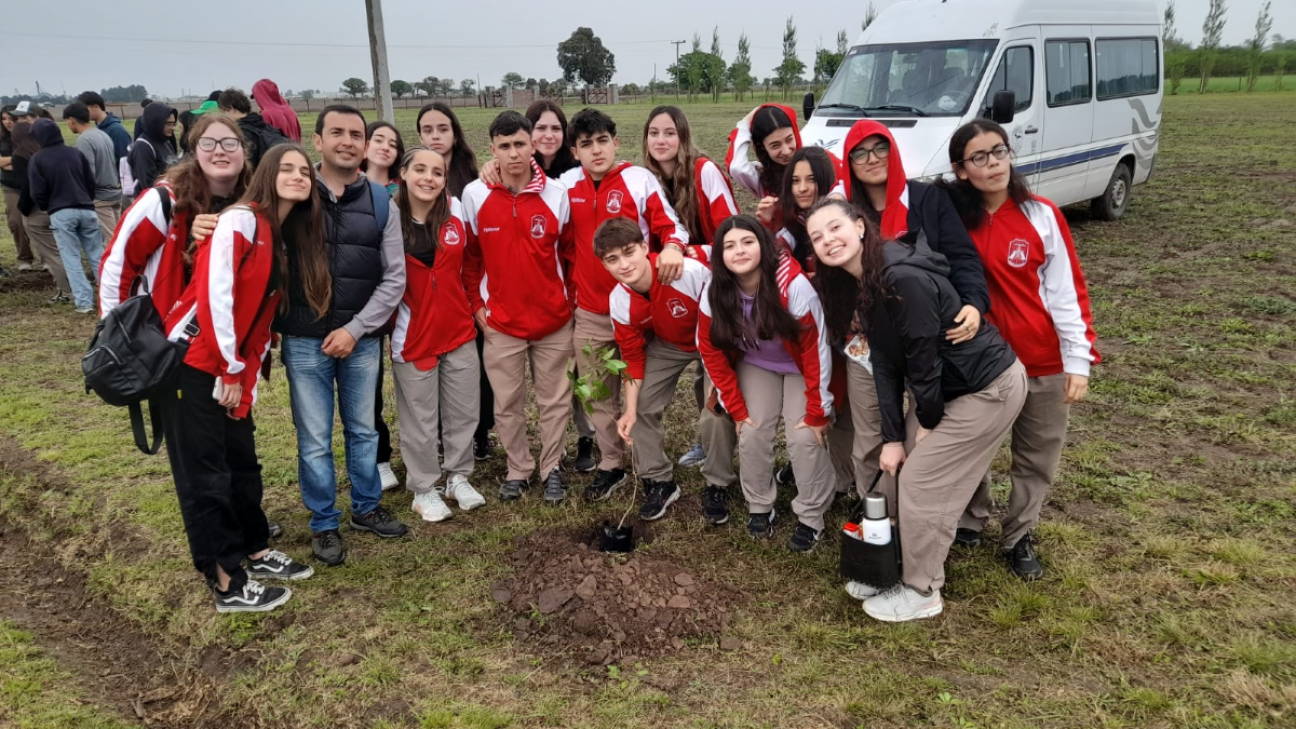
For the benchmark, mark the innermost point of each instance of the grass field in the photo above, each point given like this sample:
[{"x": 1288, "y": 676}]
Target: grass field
[{"x": 1170, "y": 538}]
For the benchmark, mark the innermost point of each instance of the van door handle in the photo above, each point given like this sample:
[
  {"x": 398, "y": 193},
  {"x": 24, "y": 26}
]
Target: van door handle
[{"x": 1032, "y": 130}]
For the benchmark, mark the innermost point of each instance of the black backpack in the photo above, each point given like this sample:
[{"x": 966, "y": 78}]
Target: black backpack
[{"x": 130, "y": 359}]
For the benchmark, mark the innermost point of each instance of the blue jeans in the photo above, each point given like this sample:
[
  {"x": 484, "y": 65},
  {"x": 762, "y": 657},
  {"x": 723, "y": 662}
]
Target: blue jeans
[
  {"x": 77, "y": 231},
  {"x": 311, "y": 378}
]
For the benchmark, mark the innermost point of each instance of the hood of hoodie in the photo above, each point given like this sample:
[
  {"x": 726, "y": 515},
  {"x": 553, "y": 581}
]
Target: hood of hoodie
[
  {"x": 895, "y": 218},
  {"x": 109, "y": 120},
  {"x": 155, "y": 116},
  {"x": 47, "y": 133},
  {"x": 918, "y": 255},
  {"x": 791, "y": 114},
  {"x": 266, "y": 93}
]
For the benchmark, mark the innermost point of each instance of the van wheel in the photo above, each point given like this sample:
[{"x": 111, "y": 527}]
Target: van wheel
[{"x": 1113, "y": 201}]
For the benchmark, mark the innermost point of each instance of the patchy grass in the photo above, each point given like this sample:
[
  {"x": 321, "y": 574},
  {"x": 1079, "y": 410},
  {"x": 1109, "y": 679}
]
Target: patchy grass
[
  {"x": 1168, "y": 539},
  {"x": 35, "y": 692}
]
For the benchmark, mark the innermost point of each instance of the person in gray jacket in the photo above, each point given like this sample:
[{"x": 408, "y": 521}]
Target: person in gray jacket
[{"x": 98, "y": 149}]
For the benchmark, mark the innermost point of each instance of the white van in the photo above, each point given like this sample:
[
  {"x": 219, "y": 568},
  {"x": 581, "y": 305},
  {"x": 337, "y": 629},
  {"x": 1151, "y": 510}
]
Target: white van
[{"x": 1085, "y": 81}]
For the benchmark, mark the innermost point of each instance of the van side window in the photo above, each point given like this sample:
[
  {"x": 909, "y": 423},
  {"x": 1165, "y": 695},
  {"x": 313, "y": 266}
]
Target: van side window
[
  {"x": 1067, "y": 73},
  {"x": 1016, "y": 73},
  {"x": 1126, "y": 67}
]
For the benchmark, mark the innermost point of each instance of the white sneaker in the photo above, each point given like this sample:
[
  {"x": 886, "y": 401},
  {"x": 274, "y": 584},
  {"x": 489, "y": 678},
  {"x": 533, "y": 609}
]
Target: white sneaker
[
  {"x": 860, "y": 590},
  {"x": 388, "y": 476},
  {"x": 903, "y": 603},
  {"x": 430, "y": 506},
  {"x": 463, "y": 493},
  {"x": 24, "y": 267}
]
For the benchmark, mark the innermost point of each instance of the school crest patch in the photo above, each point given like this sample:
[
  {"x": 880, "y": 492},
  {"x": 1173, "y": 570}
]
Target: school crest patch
[
  {"x": 677, "y": 308},
  {"x": 1018, "y": 253},
  {"x": 450, "y": 234},
  {"x": 537, "y": 227},
  {"x": 614, "y": 202}
]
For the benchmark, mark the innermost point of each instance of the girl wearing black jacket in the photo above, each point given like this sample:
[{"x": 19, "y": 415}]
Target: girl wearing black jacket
[{"x": 965, "y": 394}]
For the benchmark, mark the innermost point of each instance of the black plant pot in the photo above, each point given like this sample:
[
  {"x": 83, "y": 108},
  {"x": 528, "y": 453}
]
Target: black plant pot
[{"x": 616, "y": 539}]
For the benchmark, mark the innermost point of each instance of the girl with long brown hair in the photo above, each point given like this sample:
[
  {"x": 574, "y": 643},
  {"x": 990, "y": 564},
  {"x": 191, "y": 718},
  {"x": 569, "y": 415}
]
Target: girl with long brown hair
[
  {"x": 434, "y": 356},
  {"x": 160, "y": 233},
  {"x": 239, "y": 280},
  {"x": 760, "y": 312}
]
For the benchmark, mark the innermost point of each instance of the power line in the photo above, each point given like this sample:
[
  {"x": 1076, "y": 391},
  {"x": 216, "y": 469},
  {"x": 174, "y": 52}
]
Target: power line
[{"x": 284, "y": 44}]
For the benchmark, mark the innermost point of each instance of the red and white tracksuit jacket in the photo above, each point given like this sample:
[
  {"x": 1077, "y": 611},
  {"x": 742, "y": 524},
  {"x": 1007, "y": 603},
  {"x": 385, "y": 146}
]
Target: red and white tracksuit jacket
[
  {"x": 434, "y": 316},
  {"x": 1038, "y": 297},
  {"x": 144, "y": 245},
  {"x": 228, "y": 300},
  {"x": 746, "y": 172},
  {"x": 518, "y": 252},
  {"x": 810, "y": 352},
  {"x": 626, "y": 191},
  {"x": 715, "y": 200},
  {"x": 669, "y": 312}
]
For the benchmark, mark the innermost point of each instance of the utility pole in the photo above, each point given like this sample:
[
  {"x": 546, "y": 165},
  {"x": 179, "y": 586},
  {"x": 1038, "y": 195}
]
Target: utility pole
[
  {"x": 677, "y": 68},
  {"x": 378, "y": 55}
]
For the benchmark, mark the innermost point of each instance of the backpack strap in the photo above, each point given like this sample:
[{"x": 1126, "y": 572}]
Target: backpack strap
[
  {"x": 381, "y": 204},
  {"x": 137, "y": 427},
  {"x": 164, "y": 195}
]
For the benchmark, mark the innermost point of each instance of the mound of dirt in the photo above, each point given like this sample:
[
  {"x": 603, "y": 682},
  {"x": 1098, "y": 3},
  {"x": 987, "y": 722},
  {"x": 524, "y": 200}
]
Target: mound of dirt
[{"x": 566, "y": 596}]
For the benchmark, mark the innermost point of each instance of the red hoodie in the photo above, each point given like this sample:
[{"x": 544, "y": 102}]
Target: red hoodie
[
  {"x": 895, "y": 218},
  {"x": 277, "y": 112},
  {"x": 434, "y": 316},
  {"x": 669, "y": 311},
  {"x": 518, "y": 248},
  {"x": 1038, "y": 297},
  {"x": 229, "y": 301},
  {"x": 626, "y": 191},
  {"x": 144, "y": 245},
  {"x": 810, "y": 352},
  {"x": 744, "y": 171}
]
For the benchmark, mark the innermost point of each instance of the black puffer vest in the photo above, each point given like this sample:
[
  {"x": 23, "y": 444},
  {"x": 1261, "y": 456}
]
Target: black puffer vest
[{"x": 353, "y": 238}]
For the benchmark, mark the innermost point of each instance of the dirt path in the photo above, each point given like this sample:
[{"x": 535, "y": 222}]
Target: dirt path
[{"x": 114, "y": 665}]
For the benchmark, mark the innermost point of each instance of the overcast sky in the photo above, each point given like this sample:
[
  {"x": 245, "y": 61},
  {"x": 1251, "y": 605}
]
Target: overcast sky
[{"x": 73, "y": 45}]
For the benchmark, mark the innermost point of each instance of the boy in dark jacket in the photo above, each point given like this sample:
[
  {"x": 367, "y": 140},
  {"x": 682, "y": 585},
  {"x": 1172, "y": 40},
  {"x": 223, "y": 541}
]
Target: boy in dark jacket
[
  {"x": 260, "y": 136},
  {"x": 155, "y": 150},
  {"x": 62, "y": 184}
]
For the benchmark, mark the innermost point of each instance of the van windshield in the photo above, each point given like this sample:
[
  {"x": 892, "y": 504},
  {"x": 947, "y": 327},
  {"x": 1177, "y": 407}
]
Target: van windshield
[{"x": 908, "y": 79}]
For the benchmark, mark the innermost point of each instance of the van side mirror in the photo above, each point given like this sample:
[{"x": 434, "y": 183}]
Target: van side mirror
[
  {"x": 1002, "y": 109},
  {"x": 807, "y": 105}
]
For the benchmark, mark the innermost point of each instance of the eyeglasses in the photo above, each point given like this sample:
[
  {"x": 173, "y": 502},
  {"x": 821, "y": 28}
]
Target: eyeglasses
[
  {"x": 229, "y": 144},
  {"x": 881, "y": 150},
  {"x": 981, "y": 159}
]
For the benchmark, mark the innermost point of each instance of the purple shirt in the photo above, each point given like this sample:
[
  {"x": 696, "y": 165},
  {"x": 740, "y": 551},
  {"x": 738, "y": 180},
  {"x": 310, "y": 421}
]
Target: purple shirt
[{"x": 767, "y": 354}]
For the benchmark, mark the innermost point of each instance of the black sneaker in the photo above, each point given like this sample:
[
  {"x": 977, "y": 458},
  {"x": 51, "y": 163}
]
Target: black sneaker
[
  {"x": 964, "y": 537},
  {"x": 584, "y": 462},
  {"x": 715, "y": 505},
  {"x": 761, "y": 526},
  {"x": 482, "y": 447},
  {"x": 605, "y": 482},
  {"x": 276, "y": 565},
  {"x": 512, "y": 490},
  {"x": 274, "y": 529},
  {"x": 380, "y": 522},
  {"x": 784, "y": 476},
  {"x": 554, "y": 490},
  {"x": 328, "y": 547},
  {"x": 253, "y": 597},
  {"x": 1022, "y": 560},
  {"x": 803, "y": 539},
  {"x": 660, "y": 495}
]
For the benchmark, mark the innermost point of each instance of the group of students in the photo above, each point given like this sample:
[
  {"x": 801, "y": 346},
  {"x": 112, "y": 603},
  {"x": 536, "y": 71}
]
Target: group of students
[{"x": 848, "y": 289}]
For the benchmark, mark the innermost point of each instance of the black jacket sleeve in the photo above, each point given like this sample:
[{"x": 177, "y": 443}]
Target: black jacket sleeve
[
  {"x": 889, "y": 380},
  {"x": 37, "y": 186},
  {"x": 947, "y": 236},
  {"x": 917, "y": 318},
  {"x": 142, "y": 166}
]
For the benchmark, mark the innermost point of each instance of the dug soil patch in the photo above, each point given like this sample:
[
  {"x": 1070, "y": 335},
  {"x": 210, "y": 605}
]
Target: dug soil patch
[{"x": 566, "y": 597}]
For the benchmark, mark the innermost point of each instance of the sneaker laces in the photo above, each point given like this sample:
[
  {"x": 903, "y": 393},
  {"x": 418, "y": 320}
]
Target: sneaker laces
[
  {"x": 275, "y": 555},
  {"x": 252, "y": 587},
  {"x": 329, "y": 539},
  {"x": 1023, "y": 549},
  {"x": 380, "y": 514},
  {"x": 715, "y": 496}
]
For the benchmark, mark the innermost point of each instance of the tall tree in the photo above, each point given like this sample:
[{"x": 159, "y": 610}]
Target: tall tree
[
  {"x": 1256, "y": 46},
  {"x": 870, "y": 15},
  {"x": 583, "y": 57},
  {"x": 430, "y": 85},
  {"x": 716, "y": 70},
  {"x": 740, "y": 70},
  {"x": 467, "y": 87},
  {"x": 791, "y": 67},
  {"x": 512, "y": 80},
  {"x": 401, "y": 88},
  {"x": 1212, "y": 31},
  {"x": 1176, "y": 51},
  {"x": 355, "y": 86},
  {"x": 843, "y": 43}
]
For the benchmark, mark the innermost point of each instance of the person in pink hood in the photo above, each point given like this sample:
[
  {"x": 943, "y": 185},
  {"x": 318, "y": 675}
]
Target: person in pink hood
[{"x": 275, "y": 110}]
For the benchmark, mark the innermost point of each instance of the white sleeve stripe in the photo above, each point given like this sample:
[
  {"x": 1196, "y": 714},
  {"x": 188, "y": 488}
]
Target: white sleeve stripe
[
  {"x": 619, "y": 304},
  {"x": 400, "y": 332},
  {"x": 1057, "y": 285},
  {"x": 239, "y": 222},
  {"x": 147, "y": 208}
]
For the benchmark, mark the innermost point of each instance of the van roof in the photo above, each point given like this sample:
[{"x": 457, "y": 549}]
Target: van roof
[{"x": 913, "y": 21}]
